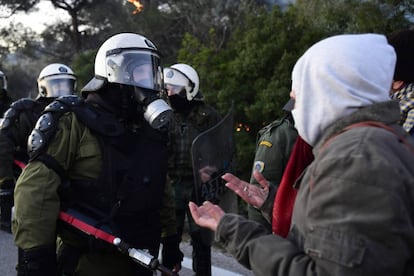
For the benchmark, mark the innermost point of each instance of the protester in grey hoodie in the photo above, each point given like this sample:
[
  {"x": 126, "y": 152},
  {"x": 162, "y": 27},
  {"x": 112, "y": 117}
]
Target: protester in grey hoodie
[{"x": 354, "y": 211}]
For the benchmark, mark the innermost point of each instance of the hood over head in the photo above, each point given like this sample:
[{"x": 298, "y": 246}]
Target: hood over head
[{"x": 336, "y": 77}]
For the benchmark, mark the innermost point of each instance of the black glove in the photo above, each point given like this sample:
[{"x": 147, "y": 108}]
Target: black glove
[
  {"x": 171, "y": 253},
  {"x": 37, "y": 262}
]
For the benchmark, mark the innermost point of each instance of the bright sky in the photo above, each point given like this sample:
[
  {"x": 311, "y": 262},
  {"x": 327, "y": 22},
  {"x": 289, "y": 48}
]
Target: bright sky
[{"x": 46, "y": 14}]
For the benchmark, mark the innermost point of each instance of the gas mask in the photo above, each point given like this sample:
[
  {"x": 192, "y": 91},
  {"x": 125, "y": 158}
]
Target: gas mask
[{"x": 156, "y": 111}]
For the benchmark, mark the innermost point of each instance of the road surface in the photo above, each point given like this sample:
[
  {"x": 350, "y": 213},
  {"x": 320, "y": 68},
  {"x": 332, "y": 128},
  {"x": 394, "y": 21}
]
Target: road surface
[{"x": 223, "y": 263}]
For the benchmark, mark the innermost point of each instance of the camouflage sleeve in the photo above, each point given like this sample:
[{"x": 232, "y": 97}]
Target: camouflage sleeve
[
  {"x": 37, "y": 201},
  {"x": 168, "y": 218}
]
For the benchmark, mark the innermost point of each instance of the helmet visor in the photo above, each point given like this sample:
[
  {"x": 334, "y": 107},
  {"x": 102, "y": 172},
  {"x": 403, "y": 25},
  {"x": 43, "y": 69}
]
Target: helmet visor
[
  {"x": 176, "y": 83},
  {"x": 136, "y": 68},
  {"x": 173, "y": 89},
  {"x": 56, "y": 87}
]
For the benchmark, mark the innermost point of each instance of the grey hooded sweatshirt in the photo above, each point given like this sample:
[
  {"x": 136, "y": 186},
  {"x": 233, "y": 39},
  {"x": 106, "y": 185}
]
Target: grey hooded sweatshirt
[{"x": 354, "y": 211}]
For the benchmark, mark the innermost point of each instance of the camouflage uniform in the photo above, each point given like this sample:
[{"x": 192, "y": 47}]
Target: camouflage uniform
[
  {"x": 185, "y": 128},
  {"x": 274, "y": 145}
]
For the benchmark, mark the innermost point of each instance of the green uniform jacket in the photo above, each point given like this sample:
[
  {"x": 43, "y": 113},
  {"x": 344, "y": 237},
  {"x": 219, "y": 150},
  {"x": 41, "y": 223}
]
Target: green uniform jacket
[
  {"x": 37, "y": 202},
  {"x": 354, "y": 211},
  {"x": 273, "y": 147}
]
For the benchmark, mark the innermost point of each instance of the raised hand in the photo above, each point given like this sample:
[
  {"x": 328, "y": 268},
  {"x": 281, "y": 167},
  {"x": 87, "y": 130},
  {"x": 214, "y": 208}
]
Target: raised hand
[
  {"x": 207, "y": 215},
  {"x": 250, "y": 193}
]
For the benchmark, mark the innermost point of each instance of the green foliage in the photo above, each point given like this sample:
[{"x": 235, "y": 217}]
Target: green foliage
[
  {"x": 356, "y": 16},
  {"x": 253, "y": 71},
  {"x": 254, "y": 68},
  {"x": 243, "y": 53},
  {"x": 83, "y": 67}
]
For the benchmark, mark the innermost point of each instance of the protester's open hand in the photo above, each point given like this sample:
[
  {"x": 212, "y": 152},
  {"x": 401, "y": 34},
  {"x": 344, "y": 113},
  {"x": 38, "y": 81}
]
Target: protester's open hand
[
  {"x": 250, "y": 193},
  {"x": 207, "y": 215}
]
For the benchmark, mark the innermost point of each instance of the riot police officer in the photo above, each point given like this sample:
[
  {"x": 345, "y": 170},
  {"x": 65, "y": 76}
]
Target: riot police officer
[
  {"x": 54, "y": 80},
  {"x": 191, "y": 117},
  {"x": 104, "y": 158}
]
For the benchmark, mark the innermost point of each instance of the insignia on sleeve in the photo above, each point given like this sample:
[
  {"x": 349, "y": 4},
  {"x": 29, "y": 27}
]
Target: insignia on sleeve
[{"x": 258, "y": 166}]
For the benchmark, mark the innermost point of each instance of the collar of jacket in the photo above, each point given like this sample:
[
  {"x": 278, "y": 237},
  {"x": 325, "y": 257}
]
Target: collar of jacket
[{"x": 385, "y": 112}]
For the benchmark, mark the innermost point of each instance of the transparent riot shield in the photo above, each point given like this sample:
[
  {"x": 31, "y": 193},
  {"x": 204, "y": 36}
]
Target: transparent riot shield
[{"x": 212, "y": 154}]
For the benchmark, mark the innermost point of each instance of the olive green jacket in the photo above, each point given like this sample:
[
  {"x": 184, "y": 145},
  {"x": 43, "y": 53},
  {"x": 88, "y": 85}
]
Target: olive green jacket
[
  {"x": 354, "y": 211},
  {"x": 37, "y": 201},
  {"x": 273, "y": 147}
]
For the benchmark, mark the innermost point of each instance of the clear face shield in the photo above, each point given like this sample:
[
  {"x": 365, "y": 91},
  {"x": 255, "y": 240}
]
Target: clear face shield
[
  {"x": 136, "y": 68},
  {"x": 142, "y": 70},
  {"x": 176, "y": 83},
  {"x": 57, "y": 86}
]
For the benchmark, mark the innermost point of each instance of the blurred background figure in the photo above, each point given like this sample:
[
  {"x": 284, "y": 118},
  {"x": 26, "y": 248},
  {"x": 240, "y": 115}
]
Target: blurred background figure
[
  {"x": 54, "y": 80},
  {"x": 403, "y": 84},
  {"x": 273, "y": 148},
  {"x": 191, "y": 117}
]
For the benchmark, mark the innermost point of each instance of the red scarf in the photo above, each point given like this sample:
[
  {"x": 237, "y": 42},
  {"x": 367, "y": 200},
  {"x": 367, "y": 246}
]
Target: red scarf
[{"x": 299, "y": 159}]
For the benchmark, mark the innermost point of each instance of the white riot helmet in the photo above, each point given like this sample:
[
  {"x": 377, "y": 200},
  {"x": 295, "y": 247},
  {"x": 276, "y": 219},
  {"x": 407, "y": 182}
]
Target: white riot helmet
[
  {"x": 3, "y": 81},
  {"x": 56, "y": 80},
  {"x": 133, "y": 60},
  {"x": 129, "y": 59},
  {"x": 182, "y": 78}
]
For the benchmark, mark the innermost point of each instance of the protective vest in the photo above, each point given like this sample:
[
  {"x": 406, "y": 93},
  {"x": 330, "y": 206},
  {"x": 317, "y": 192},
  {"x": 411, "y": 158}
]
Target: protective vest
[
  {"x": 28, "y": 106},
  {"x": 127, "y": 195}
]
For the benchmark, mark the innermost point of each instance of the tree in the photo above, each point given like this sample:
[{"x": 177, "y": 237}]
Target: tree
[
  {"x": 253, "y": 71},
  {"x": 254, "y": 68},
  {"x": 356, "y": 16},
  {"x": 10, "y": 7}
]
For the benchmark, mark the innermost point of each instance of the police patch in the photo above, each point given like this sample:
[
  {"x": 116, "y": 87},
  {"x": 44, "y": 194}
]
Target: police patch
[{"x": 258, "y": 166}]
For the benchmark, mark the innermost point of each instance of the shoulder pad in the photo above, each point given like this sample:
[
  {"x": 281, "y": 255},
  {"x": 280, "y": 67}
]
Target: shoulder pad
[
  {"x": 64, "y": 103},
  {"x": 15, "y": 109},
  {"x": 7, "y": 118},
  {"x": 47, "y": 123},
  {"x": 23, "y": 104},
  {"x": 45, "y": 127},
  {"x": 71, "y": 100}
]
